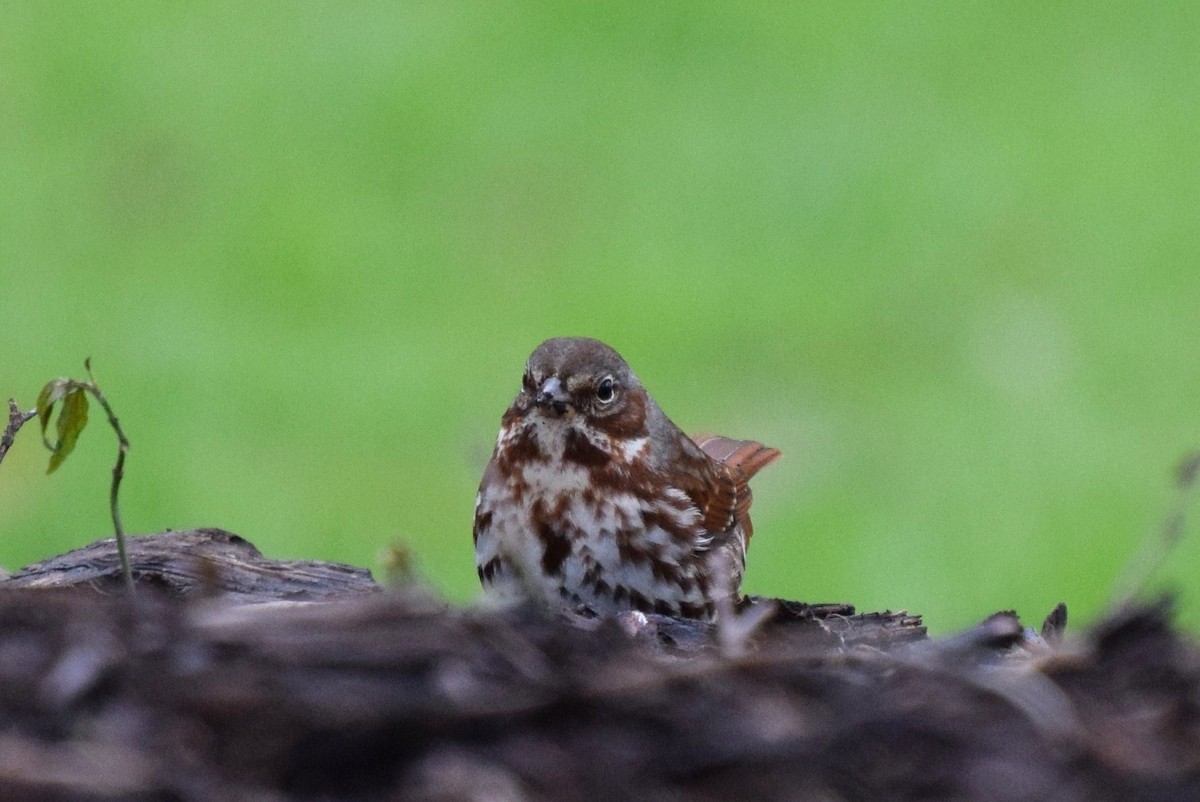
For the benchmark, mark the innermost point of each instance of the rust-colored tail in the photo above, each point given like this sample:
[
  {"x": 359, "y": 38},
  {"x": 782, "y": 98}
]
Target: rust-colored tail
[
  {"x": 741, "y": 460},
  {"x": 747, "y": 456}
]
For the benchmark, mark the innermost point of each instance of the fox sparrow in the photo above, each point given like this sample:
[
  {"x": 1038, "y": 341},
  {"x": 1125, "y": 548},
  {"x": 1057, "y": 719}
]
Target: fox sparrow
[{"x": 594, "y": 497}]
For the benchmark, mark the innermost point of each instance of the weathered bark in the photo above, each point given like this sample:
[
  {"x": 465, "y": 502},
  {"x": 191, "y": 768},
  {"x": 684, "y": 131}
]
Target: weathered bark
[
  {"x": 196, "y": 562},
  {"x": 393, "y": 695},
  {"x": 210, "y": 562}
]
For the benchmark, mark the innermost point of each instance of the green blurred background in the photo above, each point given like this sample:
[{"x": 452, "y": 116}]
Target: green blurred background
[{"x": 942, "y": 255}]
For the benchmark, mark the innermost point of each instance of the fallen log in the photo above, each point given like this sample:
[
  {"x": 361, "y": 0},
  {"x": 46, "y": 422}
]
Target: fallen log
[
  {"x": 188, "y": 692},
  {"x": 196, "y": 562}
]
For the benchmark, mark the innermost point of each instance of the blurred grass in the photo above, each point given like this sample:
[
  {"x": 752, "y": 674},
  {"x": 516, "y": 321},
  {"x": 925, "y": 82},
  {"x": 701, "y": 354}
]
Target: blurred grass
[{"x": 943, "y": 255}]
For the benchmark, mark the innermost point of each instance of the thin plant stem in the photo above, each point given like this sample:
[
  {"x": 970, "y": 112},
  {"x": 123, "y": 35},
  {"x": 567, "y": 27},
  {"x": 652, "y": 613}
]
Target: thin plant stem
[
  {"x": 1151, "y": 555},
  {"x": 118, "y": 473}
]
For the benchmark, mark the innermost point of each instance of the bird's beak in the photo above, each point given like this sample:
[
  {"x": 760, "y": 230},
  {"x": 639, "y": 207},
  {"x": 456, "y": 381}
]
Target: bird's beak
[{"x": 552, "y": 394}]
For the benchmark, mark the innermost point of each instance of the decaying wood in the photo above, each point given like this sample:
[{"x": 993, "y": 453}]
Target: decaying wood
[
  {"x": 207, "y": 562},
  {"x": 196, "y": 562},
  {"x": 393, "y": 695}
]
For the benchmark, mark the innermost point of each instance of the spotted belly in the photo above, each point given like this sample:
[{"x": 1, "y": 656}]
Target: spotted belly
[{"x": 550, "y": 535}]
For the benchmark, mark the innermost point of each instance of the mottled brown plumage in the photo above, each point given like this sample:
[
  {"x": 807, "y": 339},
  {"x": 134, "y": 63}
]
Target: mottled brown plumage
[{"x": 594, "y": 497}]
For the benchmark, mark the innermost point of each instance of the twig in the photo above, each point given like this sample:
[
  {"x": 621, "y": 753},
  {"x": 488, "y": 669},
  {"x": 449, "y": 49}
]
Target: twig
[
  {"x": 16, "y": 419},
  {"x": 1156, "y": 547},
  {"x": 118, "y": 473}
]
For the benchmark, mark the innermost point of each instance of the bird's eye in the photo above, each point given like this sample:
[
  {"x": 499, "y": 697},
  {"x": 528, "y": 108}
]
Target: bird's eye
[{"x": 606, "y": 391}]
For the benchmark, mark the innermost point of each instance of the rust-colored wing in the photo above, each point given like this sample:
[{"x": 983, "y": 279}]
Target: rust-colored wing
[{"x": 728, "y": 501}]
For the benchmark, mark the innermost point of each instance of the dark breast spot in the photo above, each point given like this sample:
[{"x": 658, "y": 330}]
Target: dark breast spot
[
  {"x": 630, "y": 548},
  {"x": 555, "y": 548},
  {"x": 483, "y": 519},
  {"x": 661, "y": 569},
  {"x": 580, "y": 450},
  {"x": 488, "y": 570},
  {"x": 640, "y": 603},
  {"x": 521, "y": 448}
]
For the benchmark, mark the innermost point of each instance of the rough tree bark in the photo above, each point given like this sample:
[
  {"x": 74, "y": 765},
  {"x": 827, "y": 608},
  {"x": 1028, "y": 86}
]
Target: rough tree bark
[
  {"x": 327, "y": 687},
  {"x": 197, "y": 562}
]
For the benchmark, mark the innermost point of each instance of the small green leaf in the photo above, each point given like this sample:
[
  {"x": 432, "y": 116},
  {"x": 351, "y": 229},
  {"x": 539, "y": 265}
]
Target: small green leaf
[
  {"x": 50, "y": 394},
  {"x": 72, "y": 417}
]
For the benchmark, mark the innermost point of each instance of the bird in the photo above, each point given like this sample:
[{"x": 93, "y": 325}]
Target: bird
[{"x": 594, "y": 499}]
